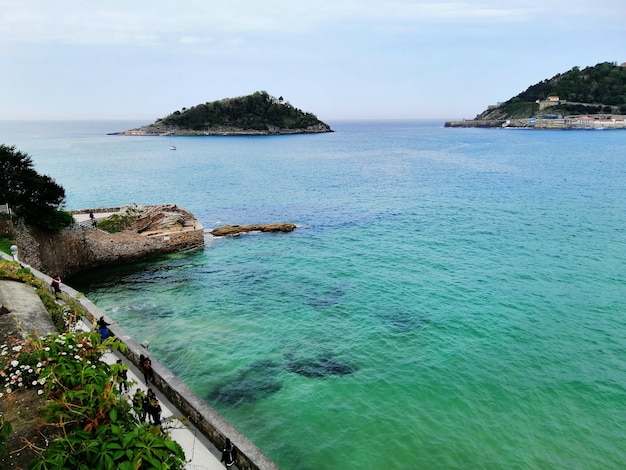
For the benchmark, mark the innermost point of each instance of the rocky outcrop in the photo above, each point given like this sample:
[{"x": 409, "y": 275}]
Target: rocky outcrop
[
  {"x": 163, "y": 130},
  {"x": 237, "y": 229},
  {"x": 157, "y": 230}
]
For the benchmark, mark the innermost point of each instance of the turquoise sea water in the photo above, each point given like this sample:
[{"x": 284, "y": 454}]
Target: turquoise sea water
[{"x": 452, "y": 298}]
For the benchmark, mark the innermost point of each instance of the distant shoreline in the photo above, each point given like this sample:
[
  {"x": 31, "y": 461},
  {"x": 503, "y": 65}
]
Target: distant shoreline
[{"x": 588, "y": 122}]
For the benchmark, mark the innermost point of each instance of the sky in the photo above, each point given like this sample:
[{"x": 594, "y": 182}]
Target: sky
[{"x": 338, "y": 59}]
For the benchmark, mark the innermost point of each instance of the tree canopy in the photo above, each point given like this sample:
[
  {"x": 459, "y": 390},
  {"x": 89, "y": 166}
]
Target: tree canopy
[
  {"x": 592, "y": 90},
  {"x": 37, "y": 198},
  {"x": 256, "y": 111},
  {"x": 604, "y": 83}
]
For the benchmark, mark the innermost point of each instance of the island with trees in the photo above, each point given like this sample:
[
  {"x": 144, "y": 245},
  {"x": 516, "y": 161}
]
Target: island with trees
[
  {"x": 589, "y": 98},
  {"x": 255, "y": 114}
]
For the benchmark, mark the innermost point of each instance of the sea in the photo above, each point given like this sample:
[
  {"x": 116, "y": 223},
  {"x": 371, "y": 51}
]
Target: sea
[{"x": 450, "y": 299}]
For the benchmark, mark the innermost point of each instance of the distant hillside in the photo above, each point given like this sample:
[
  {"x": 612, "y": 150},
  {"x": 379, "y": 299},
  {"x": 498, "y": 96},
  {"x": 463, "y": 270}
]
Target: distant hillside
[
  {"x": 593, "y": 90},
  {"x": 258, "y": 113}
]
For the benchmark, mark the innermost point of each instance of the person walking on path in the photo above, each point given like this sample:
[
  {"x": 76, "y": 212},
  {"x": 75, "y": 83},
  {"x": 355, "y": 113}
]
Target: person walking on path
[
  {"x": 122, "y": 377},
  {"x": 229, "y": 454},
  {"x": 102, "y": 327},
  {"x": 146, "y": 367},
  {"x": 139, "y": 404},
  {"x": 56, "y": 284},
  {"x": 152, "y": 407}
]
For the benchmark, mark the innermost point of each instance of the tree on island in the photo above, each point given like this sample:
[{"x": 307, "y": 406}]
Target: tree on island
[
  {"x": 592, "y": 90},
  {"x": 37, "y": 198},
  {"x": 256, "y": 111}
]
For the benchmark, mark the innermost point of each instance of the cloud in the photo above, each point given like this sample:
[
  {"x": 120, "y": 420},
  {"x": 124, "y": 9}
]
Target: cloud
[{"x": 145, "y": 22}]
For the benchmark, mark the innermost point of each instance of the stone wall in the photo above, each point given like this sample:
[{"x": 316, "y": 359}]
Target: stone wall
[
  {"x": 7, "y": 230},
  {"x": 79, "y": 248},
  {"x": 206, "y": 419}
]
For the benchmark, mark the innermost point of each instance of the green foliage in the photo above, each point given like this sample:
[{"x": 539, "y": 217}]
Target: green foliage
[
  {"x": 35, "y": 197},
  {"x": 593, "y": 90},
  {"x": 117, "y": 223},
  {"x": 63, "y": 316},
  {"x": 256, "y": 112},
  {"x": 5, "y": 433},
  {"x": 13, "y": 271},
  {"x": 99, "y": 431},
  {"x": 518, "y": 109},
  {"x": 5, "y": 245},
  {"x": 114, "y": 447},
  {"x": 604, "y": 83}
]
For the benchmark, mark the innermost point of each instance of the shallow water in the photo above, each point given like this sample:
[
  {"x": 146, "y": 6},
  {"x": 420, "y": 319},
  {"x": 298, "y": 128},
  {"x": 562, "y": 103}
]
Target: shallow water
[{"x": 452, "y": 298}]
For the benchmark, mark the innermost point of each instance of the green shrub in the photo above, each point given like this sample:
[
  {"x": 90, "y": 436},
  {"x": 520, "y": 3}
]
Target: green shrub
[
  {"x": 97, "y": 428},
  {"x": 117, "y": 223},
  {"x": 5, "y": 434},
  {"x": 5, "y": 245}
]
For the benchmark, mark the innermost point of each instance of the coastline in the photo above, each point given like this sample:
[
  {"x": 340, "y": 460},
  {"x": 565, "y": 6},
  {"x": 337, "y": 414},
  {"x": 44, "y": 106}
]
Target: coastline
[
  {"x": 205, "y": 419},
  {"x": 547, "y": 122},
  {"x": 155, "y": 130},
  {"x": 159, "y": 229}
]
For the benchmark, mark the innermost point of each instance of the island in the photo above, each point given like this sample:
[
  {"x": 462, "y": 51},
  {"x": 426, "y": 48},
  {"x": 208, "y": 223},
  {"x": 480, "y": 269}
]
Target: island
[
  {"x": 255, "y": 114},
  {"x": 591, "y": 98}
]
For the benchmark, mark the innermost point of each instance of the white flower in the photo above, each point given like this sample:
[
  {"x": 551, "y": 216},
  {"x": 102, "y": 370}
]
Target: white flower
[
  {"x": 39, "y": 392},
  {"x": 46, "y": 348},
  {"x": 77, "y": 357},
  {"x": 35, "y": 382},
  {"x": 39, "y": 364},
  {"x": 17, "y": 348},
  {"x": 14, "y": 363}
]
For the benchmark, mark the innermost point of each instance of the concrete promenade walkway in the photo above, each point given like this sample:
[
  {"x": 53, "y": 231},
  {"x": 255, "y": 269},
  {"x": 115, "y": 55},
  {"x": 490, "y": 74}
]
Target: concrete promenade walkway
[{"x": 199, "y": 452}]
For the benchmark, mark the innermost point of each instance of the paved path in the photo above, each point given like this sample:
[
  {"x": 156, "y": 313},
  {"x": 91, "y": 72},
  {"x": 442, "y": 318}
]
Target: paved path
[{"x": 200, "y": 453}]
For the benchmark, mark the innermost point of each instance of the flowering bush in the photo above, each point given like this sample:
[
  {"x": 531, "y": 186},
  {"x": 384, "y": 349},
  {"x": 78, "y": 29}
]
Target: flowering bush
[{"x": 98, "y": 428}]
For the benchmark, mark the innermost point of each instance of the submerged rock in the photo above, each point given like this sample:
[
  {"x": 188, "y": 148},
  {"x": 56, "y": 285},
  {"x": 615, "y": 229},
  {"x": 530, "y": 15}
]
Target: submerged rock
[
  {"x": 254, "y": 383},
  {"x": 319, "y": 367}
]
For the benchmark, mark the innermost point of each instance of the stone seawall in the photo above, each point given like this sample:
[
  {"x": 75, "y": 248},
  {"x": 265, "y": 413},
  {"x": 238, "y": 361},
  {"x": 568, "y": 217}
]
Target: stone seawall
[
  {"x": 79, "y": 248},
  {"x": 207, "y": 420}
]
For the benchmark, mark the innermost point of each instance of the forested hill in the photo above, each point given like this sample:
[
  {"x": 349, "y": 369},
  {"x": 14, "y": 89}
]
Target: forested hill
[
  {"x": 592, "y": 90},
  {"x": 258, "y": 113}
]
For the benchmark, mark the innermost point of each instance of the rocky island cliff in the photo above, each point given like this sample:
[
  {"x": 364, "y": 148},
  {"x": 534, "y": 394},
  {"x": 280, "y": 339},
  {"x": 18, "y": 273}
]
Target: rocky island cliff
[{"x": 256, "y": 114}]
